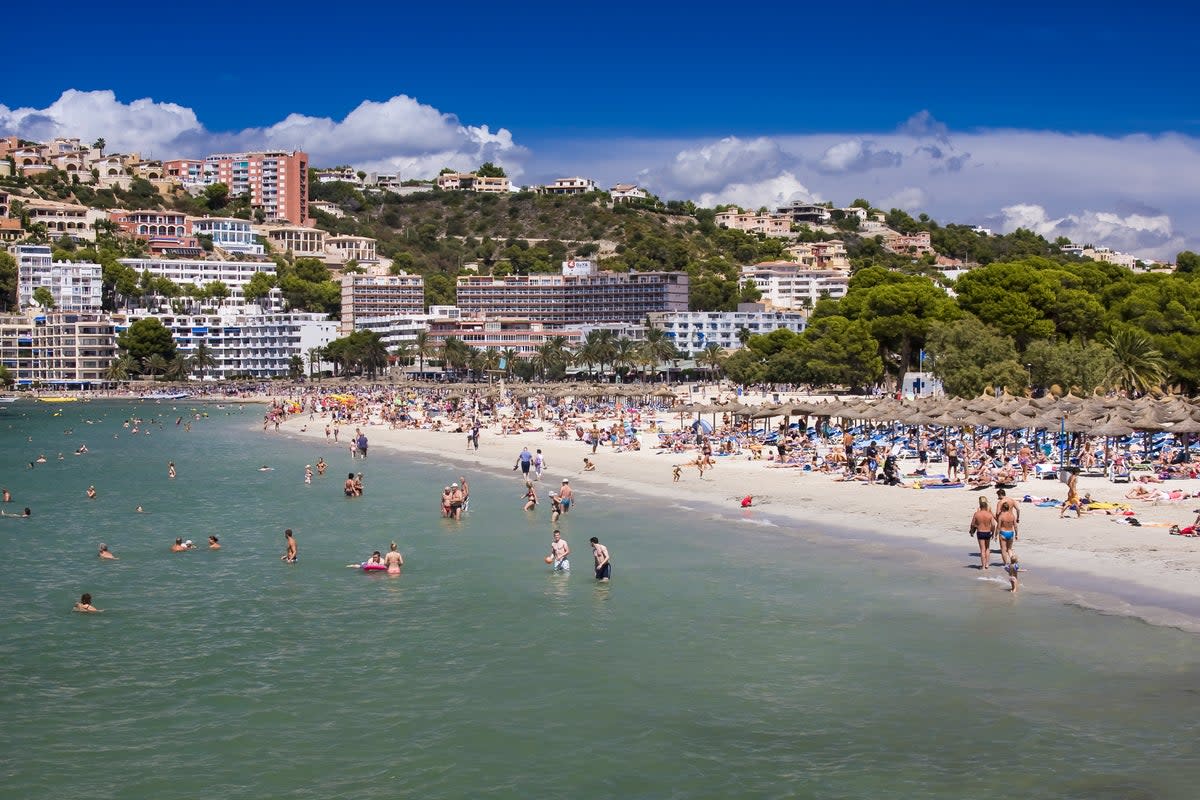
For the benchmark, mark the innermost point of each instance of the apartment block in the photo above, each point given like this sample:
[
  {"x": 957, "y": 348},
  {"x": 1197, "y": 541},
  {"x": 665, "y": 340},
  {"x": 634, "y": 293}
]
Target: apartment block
[
  {"x": 499, "y": 333},
  {"x": 569, "y": 186},
  {"x": 693, "y": 331},
  {"x": 199, "y": 272},
  {"x": 754, "y": 222},
  {"x": 581, "y": 294},
  {"x": 165, "y": 232},
  {"x": 75, "y": 285},
  {"x": 785, "y": 285},
  {"x": 380, "y": 296},
  {"x": 276, "y": 181},
  {"x": 70, "y": 350}
]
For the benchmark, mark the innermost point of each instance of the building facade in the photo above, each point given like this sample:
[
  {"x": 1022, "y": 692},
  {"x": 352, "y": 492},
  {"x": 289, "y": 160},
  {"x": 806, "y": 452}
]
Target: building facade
[
  {"x": 228, "y": 233},
  {"x": 569, "y": 186},
  {"x": 785, "y": 285},
  {"x": 69, "y": 350},
  {"x": 380, "y": 296},
  {"x": 498, "y": 333},
  {"x": 624, "y": 192},
  {"x": 300, "y": 241},
  {"x": 198, "y": 272},
  {"x": 754, "y": 222},
  {"x": 74, "y": 285},
  {"x": 579, "y": 295},
  {"x": 693, "y": 331},
  {"x": 165, "y": 232},
  {"x": 243, "y": 341},
  {"x": 470, "y": 182},
  {"x": 276, "y": 181}
]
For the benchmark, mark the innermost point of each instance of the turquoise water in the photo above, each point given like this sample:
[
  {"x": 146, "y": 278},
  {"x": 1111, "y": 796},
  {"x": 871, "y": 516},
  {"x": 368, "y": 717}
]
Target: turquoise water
[{"x": 725, "y": 659}]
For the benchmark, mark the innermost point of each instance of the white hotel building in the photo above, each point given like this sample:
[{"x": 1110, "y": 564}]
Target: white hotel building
[
  {"x": 75, "y": 285},
  {"x": 234, "y": 274},
  {"x": 244, "y": 341},
  {"x": 786, "y": 285},
  {"x": 693, "y": 331},
  {"x": 229, "y": 233}
]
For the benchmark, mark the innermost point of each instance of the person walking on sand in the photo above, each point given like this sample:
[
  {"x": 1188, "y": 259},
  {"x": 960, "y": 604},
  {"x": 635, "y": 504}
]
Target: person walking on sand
[
  {"x": 1013, "y": 568},
  {"x": 951, "y": 461},
  {"x": 539, "y": 464},
  {"x": 524, "y": 461},
  {"x": 559, "y": 551},
  {"x": 1072, "y": 497},
  {"x": 291, "y": 555},
  {"x": 983, "y": 524},
  {"x": 1008, "y": 518},
  {"x": 603, "y": 565}
]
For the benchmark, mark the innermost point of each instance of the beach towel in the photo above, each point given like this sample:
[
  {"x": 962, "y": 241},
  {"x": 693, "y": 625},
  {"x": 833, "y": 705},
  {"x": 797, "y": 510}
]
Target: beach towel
[{"x": 942, "y": 486}]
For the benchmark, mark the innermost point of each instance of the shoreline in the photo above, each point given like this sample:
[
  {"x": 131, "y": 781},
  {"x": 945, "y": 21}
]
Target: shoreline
[{"x": 1112, "y": 569}]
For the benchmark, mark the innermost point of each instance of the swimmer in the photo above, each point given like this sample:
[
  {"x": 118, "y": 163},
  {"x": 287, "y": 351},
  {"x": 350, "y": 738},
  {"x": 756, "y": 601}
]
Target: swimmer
[
  {"x": 603, "y": 565},
  {"x": 85, "y": 605},
  {"x": 139, "y": 510},
  {"x": 214, "y": 543},
  {"x": 290, "y": 555},
  {"x": 91, "y": 492},
  {"x": 348, "y": 488},
  {"x": 41, "y": 459},
  {"x": 376, "y": 558},
  {"x": 179, "y": 546},
  {"x": 393, "y": 560},
  {"x": 308, "y": 473},
  {"x": 170, "y": 469},
  {"x": 264, "y": 468},
  {"x": 559, "y": 551},
  {"x": 23, "y": 514},
  {"x": 5, "y": 496},
  {"x": 321, "y": 465},
  {"x": 106, "y": 553}
]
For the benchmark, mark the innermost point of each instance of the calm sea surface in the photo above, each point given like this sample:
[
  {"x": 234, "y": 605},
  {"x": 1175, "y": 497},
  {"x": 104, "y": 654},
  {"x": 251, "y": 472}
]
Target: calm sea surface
[{"x": 725, "y": 659}]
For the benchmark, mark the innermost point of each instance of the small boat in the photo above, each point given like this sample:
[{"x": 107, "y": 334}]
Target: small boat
[
  {"x": 167, "y": 395},
  {"x": 59, "y": 399}
]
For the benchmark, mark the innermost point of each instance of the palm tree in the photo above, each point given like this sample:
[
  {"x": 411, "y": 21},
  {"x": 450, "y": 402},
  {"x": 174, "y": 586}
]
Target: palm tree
[
  {"x": 315, "y": 354},
  {"x": 122, "y": 368},
  {"x": 295, "y": 366},
  {"x": 155, "y": 364},
  {"x": 422, "y": 347},
  {"x": 658, "y": 348},
  {"x": 455, "y": 354},
  {"x": 203, "y": 358},
  {"x": 552, "y": 356},
  {"x": 100, "y": 144},
  {"x": 1137, "y": 366},
  {"x": 511, "y": 357},
  {"x": 178, "y": 368},
  {"x": 374, "y": 355},
  {"x": 713, "y": 357},
  {"x": 491, "y": 359},
  {"x": 625, "y": 354},
  {"x": 403, "y": 354},
  {"x": 600, "y": 346}
]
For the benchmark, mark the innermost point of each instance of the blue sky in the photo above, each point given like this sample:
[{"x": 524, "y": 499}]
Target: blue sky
[{"x": 718, "y": 102}]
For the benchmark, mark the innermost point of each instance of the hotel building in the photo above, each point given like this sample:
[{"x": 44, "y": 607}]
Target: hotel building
[
  {"x": 693, "y": 331},
  {"x": 57, "y": 348},
  {"x": 498, "y": 333},
  {"x": 75, "y": 285},
  {"x": 579, "y": 295},
  {"x": 380, "y": 296},
  {"x": 791, "y": 286},
  {"x": 234, "y": 274},
  {"x": 242, "y": 340}
]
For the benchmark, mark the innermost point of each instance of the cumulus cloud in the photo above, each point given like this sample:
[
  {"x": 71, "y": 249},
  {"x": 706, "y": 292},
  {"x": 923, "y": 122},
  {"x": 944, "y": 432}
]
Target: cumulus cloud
[
  {"x": 399, "y": 134},
  {"x": 771, "y": 192},
  {"x": 710, "y": 168},
  {"x": 910, "y": 198},
  {"x": 856, "y": 155},
  {"x": 923, "y": 125},
  {"x": 1134, "y": 232}
]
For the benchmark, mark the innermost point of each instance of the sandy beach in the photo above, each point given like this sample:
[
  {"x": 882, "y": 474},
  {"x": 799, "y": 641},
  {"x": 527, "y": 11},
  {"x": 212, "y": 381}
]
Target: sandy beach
[{"x": 1096, "y": 560}]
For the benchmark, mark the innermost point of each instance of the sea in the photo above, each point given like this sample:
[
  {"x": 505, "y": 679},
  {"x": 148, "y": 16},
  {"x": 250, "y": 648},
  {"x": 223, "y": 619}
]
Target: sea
[{"x": 731, "y": 655}]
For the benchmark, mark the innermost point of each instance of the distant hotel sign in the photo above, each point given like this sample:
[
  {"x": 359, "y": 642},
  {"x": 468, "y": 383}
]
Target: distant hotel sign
[{"x": 578, "y": 269}]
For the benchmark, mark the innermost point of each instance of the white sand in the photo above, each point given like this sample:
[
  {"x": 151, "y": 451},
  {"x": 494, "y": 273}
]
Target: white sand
[{"x": 1127, "y": 563}]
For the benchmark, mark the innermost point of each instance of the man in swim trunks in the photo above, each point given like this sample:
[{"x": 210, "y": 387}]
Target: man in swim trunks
[
  {"x": 1008, "y": 517},
  {"x": 291, "y": 555},
  {"x": 952, "y": 461},
  {"x": 456, "y": 501},
  {"x": 566, "y": 495},
  {"x": 983, "y": 524},
  {"x": 559, "y": 550},
  {"x": 603, "y": 565},
  {"x": 348, "y": 487}
]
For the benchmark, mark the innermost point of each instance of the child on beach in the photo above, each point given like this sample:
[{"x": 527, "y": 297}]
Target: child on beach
[
  {"x": 1013, "y": 569},
  {"x": 676, "y": 472}
]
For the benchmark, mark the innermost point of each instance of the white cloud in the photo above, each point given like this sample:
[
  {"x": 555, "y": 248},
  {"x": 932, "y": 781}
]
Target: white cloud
[
  {"x": 397, "y": 134},
  {"x": 910, "y": 198},
  {"x": 712, "y": 167},
  {"x": 1135, "y": 232},
  {"x": 771, "y": 192},
  {"x": 856, "y": 155}
]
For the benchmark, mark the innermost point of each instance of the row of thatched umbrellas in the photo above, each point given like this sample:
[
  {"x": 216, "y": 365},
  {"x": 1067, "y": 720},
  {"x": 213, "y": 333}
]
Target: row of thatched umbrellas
[{"x": 1098, "y": 416}]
